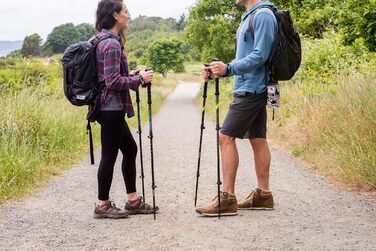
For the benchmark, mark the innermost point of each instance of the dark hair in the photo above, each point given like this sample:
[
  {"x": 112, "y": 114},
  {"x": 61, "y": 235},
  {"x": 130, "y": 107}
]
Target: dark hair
[{"x": 105, "y": 13}]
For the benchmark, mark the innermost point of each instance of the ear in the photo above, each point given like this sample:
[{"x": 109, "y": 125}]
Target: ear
[{"x": 116, "y": 16}]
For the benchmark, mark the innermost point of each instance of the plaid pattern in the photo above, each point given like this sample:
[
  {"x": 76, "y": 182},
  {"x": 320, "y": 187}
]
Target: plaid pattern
[{"x": 113, "y": 69}]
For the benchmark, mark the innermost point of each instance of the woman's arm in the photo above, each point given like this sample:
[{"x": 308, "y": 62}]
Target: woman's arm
[{"x": 113, "y": 79}]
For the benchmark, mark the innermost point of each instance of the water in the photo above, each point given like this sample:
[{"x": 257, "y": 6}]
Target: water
[{"x": 7, "y": 47}]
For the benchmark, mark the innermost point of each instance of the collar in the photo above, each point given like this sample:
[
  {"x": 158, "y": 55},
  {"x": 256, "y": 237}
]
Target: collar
[
  {"x": 254, "y": 7},
  {"x": 112, "y": 35}
]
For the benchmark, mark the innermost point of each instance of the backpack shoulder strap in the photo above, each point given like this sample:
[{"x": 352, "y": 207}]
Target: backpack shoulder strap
[
  {"x": 252, "y": 17},
  {"x": 96, "y": 40}
]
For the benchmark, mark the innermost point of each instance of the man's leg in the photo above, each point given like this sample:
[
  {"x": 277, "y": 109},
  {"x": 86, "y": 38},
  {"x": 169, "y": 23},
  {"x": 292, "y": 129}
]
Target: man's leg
[
  {"x": 262, "y": 161},
  {"x": 230, "y": 162},
  {"x": 261, "y": 197}
]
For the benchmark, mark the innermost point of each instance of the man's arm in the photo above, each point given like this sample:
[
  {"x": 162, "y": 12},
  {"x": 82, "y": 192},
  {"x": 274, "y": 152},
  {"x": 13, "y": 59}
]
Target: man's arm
[{"x": 265, "y": 34}]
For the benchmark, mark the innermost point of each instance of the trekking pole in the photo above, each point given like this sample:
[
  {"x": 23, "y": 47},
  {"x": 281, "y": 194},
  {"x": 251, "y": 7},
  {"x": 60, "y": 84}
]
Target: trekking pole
[
  {"x": 217, "y": 128},
  {"x": 204, "y": 95},
  {"x": 151, "y": 142},
  {"x": 139, "y": 131}
]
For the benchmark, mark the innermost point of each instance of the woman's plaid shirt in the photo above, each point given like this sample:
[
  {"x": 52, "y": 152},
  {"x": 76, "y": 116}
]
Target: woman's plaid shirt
[{"x": 113, "y": 69}]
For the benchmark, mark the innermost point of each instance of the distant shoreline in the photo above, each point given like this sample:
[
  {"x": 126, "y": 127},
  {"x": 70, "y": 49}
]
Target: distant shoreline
[{"x": 6, "y": 47}]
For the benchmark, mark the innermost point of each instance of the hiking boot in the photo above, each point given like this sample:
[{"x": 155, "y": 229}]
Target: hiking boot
[
  {"x": 109, "y": 211},
  {"x": 139, "y": 207},
  {"x": 228, "y": 206},
  {"x": 258, "y": 200}
]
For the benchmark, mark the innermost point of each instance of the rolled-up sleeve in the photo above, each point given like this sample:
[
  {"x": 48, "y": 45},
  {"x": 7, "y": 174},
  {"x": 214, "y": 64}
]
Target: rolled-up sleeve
[{"x": 113, "y": 79}]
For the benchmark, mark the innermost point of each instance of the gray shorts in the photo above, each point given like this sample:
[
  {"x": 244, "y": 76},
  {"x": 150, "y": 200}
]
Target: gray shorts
[{"x": 246, "y": 118}]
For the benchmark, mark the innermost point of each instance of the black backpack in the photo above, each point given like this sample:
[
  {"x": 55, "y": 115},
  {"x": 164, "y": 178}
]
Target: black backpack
[
  {"x": 81, "y": 85},
  {"x": 288, "y": 53}
]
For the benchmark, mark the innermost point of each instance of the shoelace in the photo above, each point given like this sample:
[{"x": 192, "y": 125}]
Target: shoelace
[
  {"x": 113, "y": 206},
  {"x": 143, "y": 204},
  {"x": 214, "y": 201}
]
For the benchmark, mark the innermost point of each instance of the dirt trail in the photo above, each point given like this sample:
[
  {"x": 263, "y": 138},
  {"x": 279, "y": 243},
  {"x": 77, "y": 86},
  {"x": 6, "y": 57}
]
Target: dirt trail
[{"x": 310, "y": 213}]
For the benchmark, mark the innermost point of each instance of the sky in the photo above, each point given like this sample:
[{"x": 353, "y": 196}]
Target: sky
[{"x": 20, "y": 18}]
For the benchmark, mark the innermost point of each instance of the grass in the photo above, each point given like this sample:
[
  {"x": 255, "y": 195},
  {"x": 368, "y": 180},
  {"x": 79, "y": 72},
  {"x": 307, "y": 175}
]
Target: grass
[
  {"x": 41, "y": 133},
  {"x": 335, "y": 133}
]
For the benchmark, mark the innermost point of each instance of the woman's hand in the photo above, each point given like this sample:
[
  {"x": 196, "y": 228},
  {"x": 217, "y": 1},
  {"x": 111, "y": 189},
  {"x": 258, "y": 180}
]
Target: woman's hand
[
  {"x": 135, "y": 72},
  {"x": 147, "y": 76}
]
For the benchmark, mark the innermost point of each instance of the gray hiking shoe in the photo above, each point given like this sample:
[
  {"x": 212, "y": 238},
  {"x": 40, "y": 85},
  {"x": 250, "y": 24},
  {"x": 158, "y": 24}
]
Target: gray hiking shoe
[
  {"x": 109, "y": 211},
  {"x": 139, "y": 207}
]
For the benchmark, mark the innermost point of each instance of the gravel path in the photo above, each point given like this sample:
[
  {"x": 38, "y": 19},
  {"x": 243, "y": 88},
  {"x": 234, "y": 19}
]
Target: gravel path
[{"x": 310, "y": 213}]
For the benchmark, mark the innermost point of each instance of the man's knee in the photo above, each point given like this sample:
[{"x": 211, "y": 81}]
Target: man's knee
[
  {"x": 226, "y": 140},
  {"x": 258, "y": 142}
]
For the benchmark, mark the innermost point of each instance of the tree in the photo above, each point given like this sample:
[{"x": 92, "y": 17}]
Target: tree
[
  {"x": 85, "y": 31},
  {"x": 166, "y": 54},
  {"x": 32, "y": 45},
  {"x": 211, "y": 28},
  {"x": 61, "y": 37},
  {"x": 141, "y": 23},
  {"x": 312, "y": 17},
  {"x": 180, "y": 24},
  {"x": 358, "y": 22}
]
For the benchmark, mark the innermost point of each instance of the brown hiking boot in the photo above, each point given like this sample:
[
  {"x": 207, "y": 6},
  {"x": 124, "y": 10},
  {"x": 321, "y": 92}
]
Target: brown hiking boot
[
  {"x": 258, "y": 200},
  {"x": 228, "y": 206},
  {"x": 139, "y": 207},
  {"x": 109, "y": 211}
]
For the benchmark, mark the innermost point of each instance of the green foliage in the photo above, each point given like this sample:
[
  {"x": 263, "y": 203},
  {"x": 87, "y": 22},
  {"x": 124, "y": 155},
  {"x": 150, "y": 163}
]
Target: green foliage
[
  {"x": 166, "y": 54},
  {"x": 211, "y": 28},
  {"x": 65, "y": 35},
  {"x": 32, "y": 45},
  {"x": 61, "y": 37},
  {"x": 132, "y": 65},
  {"x": 144, "y": 30},
  {"x": 85, "y": 31},
  {"x": 19, "y": 74},
  {"x": 152, "y": 23},
  {"x": 312, "y": 17},
  {"x": 138, "y": 42},
  {"x": 325, "y": 58},
  {"x": 180, "y": 24},
  {"x": 15, "y": 54},
  {"x": 358, "y": 21}
]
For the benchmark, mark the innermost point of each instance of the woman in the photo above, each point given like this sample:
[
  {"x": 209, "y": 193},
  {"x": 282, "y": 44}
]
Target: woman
[{"x": 112, "y": 20}]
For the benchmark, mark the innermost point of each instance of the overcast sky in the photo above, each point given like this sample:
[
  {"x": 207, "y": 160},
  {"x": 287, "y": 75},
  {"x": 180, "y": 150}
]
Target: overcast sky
[{"x": 19, "y": 18}]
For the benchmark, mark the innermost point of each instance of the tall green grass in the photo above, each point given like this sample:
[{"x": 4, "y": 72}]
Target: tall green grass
[
  {"x": 41, "y": 133},
  {"x": 327, "y": 116}
]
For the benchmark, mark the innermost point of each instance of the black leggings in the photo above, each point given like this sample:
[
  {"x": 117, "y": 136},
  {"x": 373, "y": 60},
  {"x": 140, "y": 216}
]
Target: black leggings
[{"x": 115, "y": 135}]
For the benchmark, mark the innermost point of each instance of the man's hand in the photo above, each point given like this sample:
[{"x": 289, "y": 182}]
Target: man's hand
[
  {"x": 207, "y": 73},
  {"x": 135, "y": 72},
  {"x": 218, "y": 68}
]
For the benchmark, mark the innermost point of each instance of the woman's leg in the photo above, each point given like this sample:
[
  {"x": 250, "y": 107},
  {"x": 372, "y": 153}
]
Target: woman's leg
[
  {"x": 135, "y": 204},
  {"x": 129, "y": 149},
  {"x": 112, "y": 126}
]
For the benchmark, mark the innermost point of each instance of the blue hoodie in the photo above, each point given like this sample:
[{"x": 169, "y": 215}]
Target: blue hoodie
[{"x": 251, "y": 54}]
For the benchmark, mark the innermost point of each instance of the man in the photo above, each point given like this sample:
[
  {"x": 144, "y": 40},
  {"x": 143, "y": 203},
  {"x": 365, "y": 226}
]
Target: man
[{"x": 246, "y": 118}]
